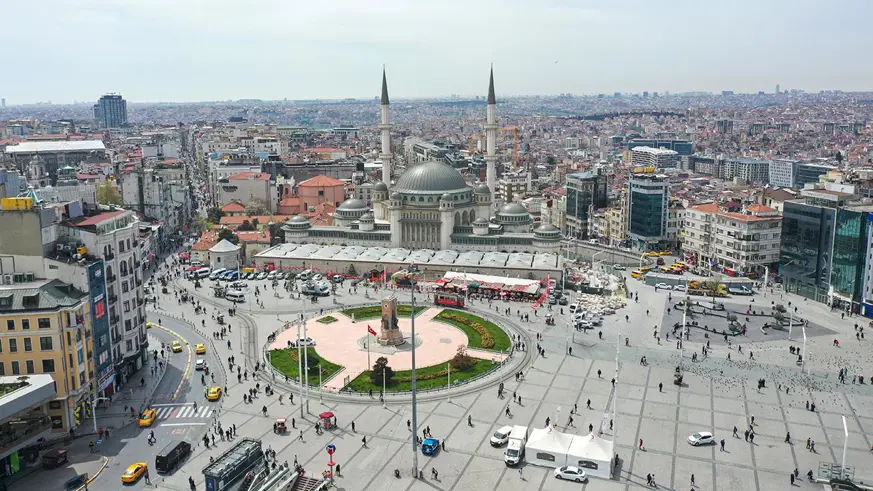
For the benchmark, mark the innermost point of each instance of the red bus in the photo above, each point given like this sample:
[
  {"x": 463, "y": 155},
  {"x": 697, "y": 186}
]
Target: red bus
[{"x": 448, "y": 300}]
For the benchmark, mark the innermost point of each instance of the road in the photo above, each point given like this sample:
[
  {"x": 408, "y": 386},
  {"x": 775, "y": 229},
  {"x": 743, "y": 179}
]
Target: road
[{"x": 177, "y": 418}]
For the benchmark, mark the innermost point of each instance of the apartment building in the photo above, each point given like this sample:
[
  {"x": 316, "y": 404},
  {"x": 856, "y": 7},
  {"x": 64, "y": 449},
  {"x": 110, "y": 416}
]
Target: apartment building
[
  {"x": 655, "y": 158},
  {"x": 45, "y": 328},
  {"x": 112, "y": 234},
  {"x": 734, "y": 239},
  {"x": 675, "y": 224},
  {"x": 511, "y": 185},
  {"x": 783, "y": 172},
  {"x": 750, "y": 170},
  {"x": 247, "y": 186}
]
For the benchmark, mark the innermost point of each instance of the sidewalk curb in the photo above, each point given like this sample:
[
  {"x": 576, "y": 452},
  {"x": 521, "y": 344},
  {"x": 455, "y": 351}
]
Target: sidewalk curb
[{"x": 96, "y": 474}]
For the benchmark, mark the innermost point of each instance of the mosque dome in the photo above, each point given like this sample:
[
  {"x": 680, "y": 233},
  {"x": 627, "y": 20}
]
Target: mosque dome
[
  {"x": 446, "y": 197},
  {"x": 352, "y": 204},
  {"x": 380, "y": 186},
  {"x": 512, "y": 209},
  {"x": 482, "y": 189},
  {"x": 431, "y": 177},
  {"x": 547, "y": 231}
]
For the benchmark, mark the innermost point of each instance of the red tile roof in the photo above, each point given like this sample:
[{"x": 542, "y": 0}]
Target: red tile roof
[
  {"x": 99, "y": 218},
  {"x": 321, "y": 181},
  {"x": 206, "y": 242},
  {"x": 254, "y": 237},
  {"x": 246, "y": 176},
  {"x": 262, "y": 220},
  {"x": 233, "y": 207}
]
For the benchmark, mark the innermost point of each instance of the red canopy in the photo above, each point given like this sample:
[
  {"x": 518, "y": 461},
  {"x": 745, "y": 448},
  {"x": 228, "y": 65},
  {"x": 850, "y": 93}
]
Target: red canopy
[{"x": 326, "y": 415}]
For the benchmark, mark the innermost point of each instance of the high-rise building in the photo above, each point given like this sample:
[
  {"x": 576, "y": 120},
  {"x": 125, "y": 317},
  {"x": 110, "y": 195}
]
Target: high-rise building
[
  {"x": 682, "y": 147},
  {"x": 586, "y": 192},
  {"x": 648, "y": 196},
  {"x": 783, "y": 172},
  {"x": 724, "y": 126},
  {"x": 3, "y": 102},
  {"x": 809, "y": 173},
  {"x": 824, "y": 247},
  {"x": 654, "y": 158},
  {"x": 111, "y": 111}
]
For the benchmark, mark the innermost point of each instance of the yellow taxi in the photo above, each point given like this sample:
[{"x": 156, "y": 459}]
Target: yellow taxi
[
  {"x": 199, "y": 349},
  {"x": 134, "y": 472},
  {"x": 148, "y": 325},
  {"x": 653, "y": 254},
  {"x": 147, "y": 418},
  {"x": 176, "y": 347},
  {"x": 214, "y": 394}
]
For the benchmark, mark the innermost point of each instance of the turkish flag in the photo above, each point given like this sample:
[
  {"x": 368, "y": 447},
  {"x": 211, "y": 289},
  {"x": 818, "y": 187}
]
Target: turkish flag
[{"x": 370, "y": 330}]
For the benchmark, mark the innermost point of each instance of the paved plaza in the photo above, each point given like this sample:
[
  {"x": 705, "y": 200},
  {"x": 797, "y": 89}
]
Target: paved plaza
[{"x": 717, "y": 395}]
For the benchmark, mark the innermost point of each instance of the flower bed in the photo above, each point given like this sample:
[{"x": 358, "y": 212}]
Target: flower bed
[
  {"x": 480, "y": 333},
  {"x": 432, "y": 377},
  {"x": 286, "y": 362},
  {"x": 328, "y": 319}
]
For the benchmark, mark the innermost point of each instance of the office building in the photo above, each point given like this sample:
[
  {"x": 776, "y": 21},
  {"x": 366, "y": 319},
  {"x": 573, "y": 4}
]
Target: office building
[
  {"x": 824, "y": 247},
  {"x": 46, "y": 329},
  {"x": 654, "y": 158},
  {"x": 734, "y": 239},
  {"x": 682, "y": 147},
  {"x": 586, "y": 192},
  {"x": 111, "y": 111},
  {"x": 810, "y": 173},
  {"x": 648, "y": 197},
  {"x": 725, "y": 126},
  {"x": 783, "y": 173},
  {"x": 751, "y": 171}
]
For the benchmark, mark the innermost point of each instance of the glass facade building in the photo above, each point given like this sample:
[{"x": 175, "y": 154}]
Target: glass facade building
[
  {"x": 111, "y": 111},
  {"x": 648, "y": 196},
  {"x": 585, "y": 191}
]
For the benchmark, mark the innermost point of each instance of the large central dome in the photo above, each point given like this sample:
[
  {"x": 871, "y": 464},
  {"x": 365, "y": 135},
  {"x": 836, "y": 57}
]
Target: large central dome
[{"x": 430, "y": 177}]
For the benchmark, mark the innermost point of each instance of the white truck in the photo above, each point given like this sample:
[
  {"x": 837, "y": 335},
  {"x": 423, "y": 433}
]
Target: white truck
[{"x": 515, "y": 446}]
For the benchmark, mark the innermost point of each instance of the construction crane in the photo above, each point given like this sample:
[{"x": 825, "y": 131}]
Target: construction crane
[{"x": 514, "y": 130}]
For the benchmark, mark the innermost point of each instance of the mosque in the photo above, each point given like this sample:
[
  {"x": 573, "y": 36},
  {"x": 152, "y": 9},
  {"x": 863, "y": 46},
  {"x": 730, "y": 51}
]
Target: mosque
[{"x": 431, "y": 206}]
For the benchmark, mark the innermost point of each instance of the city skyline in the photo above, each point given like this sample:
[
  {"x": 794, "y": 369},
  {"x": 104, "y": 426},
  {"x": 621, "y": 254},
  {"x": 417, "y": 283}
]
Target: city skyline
[{"x": 335, "y": 51}]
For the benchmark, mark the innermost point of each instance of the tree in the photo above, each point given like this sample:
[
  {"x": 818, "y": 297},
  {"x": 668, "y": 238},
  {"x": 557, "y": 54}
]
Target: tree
[
  {"x": 256, "y": 207},
  {"x": 255, "y": 222},
  {"x": 461, "y": 360},
  {"x": 214, "y": 214},
  {"x": 551, "y": 160},
  {"x": 839, "y": 157},
  {"x": 107, "y": 194},
  {"x": 245, "y": 226},
  {"x": 732, "y": 319},
  {"x": 779, "y": 316},
  {"x": 201, "y": 224},
  {"x": 712, "y": 287},
  {"x": 228, "y": 235},
  {"x": 352, "y": 271},
  {"x": 381, "y": 370},
  {"x": 779, "y": 308}
]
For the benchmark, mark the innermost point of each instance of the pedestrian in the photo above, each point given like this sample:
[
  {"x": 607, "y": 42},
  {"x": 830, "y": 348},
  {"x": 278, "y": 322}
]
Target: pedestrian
[
  {"x": 364, "y": 442},
  {"x": 301, "y": 436},
  {"x": 661, "y": 387},
  {"x": 147, "y": 477},
  {"x": 469, "y": 420},
  {"x": 722, "y": 444},
  {"x": 693, "y": 484},
  {"x": 752, "y": 437},
  {"x": 791, "y": 477},
  {"x": 808, "y": 440},
  {"x": 735, "y": 432},
  {"x": 641, "y": 444},
  {"x": 648, "y": 479},
  {"x": 520, "y": 474},
  {"x": 353, "y": 427},
  {"x": 588, "y": 403},
  {"x": 598, "y": 373},
  {"x": 746, "y": 433}
]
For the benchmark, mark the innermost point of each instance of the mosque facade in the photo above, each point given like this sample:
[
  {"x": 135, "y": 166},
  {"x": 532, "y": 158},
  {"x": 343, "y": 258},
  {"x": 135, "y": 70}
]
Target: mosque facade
[{"x": 431, "y": 206}]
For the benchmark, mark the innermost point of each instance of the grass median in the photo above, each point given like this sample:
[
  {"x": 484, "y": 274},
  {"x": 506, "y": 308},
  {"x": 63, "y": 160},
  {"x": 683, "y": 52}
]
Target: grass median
[
  {"x": 432, "y": 377},
  {"x": 481, "y": 334},
  {"x": 375, "y": 311},
  {"x": 285, "y": 361}
]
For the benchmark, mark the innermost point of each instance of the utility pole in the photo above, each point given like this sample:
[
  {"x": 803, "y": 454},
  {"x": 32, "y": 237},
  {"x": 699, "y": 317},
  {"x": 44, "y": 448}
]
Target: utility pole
[{"x": 414, "y": 400}]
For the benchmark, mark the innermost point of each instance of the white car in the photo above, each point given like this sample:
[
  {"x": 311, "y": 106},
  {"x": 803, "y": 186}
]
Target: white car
[
  {"x": 272, "y": 275},
  {"x": 578, "y": 316},
  {"x": 262, "y": 275},
  {"x": 200, "y": 364},
  {"x": 501, "y": 436},
  {"x": 574, "y": 308},
  {"x": 679, "y": 288},
  {"x": 663, "y": 286},
  {"x": 570, "y": 473},
  {"x": 317, "y": 277},
  {"x": 306, "y": 342},
  {"x": 618, "y": 267},
  {"x": 701, "y": 438}
]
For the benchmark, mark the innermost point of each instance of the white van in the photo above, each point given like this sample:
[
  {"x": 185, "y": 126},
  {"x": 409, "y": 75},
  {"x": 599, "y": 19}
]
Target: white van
[
  {"x": 235, "y": 296},
  {"x": 305, "y": 275},
  {"x": 217, "y": 272},
  {"x": 202, "y": 273},
  {"x": 515, "y": 446}
]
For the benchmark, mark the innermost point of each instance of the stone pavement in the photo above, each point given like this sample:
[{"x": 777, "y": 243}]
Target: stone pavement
[{"x": 717, "y": 395}]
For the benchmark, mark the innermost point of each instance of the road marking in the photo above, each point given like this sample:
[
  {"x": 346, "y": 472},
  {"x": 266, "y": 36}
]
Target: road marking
[
  {"x": 187, "y": 365},
  {"x": 183, "y": 424},
  {"x": 183, "y": 412}
]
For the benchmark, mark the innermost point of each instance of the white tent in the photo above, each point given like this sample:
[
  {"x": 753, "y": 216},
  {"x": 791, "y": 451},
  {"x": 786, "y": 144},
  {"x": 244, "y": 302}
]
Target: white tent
[
  {"x": 593, "y": 454},
  {"x": 547, "y": 447}
]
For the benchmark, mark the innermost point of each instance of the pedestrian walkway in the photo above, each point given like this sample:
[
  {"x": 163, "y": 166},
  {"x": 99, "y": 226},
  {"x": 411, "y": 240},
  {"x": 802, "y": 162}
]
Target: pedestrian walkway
[{"x": 176, "y": 411}]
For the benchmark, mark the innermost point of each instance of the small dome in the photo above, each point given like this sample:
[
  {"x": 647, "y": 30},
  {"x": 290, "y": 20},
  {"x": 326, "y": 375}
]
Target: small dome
[
  {"x": 299, "y": 219},
  {"x": 352, "y": 204},
  {"x": 480, "y": 222},
  {"x": 381, "y": 186},
  {"x": 512, "y": 209},
  {"x": 367, "y": 217},
  {"x": 298, "y": 222},
  {"x": 547, "y": 228},
  {"x": 396, "y": 196},
  {"x": 446, "y": 197},
  {"x": 482, "y": 189}
]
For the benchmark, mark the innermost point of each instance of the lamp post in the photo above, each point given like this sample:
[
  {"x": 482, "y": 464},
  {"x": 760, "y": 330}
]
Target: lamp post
[
  {"x": 449, "y": 384},
  {"x": 803, "y": 356},
  {"x": 593, "y": 263},
  {"x": 320, "y": 384},
  {"x": 98, "y": 399},
  {"x": 306, "y": 363},
  {"x": 414, "y": 400},
  {"x": 845, "y": 445},
  {"x": 615, "y": 390},
  {"x": 300, "y": 367}
]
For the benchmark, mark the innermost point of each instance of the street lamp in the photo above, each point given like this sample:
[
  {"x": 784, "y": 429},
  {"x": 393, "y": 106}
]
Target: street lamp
[
  {"x": 300, "y": 367},
  {"x": 414, "y": 395}
]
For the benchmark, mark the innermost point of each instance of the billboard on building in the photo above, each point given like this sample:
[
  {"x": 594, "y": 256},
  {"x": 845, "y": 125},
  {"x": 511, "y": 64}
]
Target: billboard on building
[{"x": 100, "y": 325}]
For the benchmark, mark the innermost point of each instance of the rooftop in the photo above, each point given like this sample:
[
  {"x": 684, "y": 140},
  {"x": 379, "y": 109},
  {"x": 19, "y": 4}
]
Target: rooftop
[
  {"x": 321, "y": 181},
  {"x": 99, "y": 218},
  {"x": 249, "y": 176},
  {"x": 41, "y": 295},
  {"x": 56, "y": 146}
]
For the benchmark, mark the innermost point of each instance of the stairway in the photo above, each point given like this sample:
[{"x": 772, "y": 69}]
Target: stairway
[{"x": 304, "y": 483}]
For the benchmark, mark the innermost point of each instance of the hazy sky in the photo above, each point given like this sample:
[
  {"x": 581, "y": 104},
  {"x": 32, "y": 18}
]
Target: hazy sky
[{"x": 195, "y": 50}]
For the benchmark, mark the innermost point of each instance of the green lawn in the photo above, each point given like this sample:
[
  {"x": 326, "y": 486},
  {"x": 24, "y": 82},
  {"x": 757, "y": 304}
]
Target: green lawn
[
  {"x": 328, "y": 319},
  {"x": 482, "y": 334},
  {"x": 375, "y": 311},
  {"x": 402, "y": 379},
  {"x": 285, "y": 360}
]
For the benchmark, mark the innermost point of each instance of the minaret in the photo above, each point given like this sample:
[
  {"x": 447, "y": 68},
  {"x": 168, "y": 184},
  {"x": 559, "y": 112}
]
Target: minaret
[
  {"x": 385, "y": 126},
  {"x": 491, "y": 138}
]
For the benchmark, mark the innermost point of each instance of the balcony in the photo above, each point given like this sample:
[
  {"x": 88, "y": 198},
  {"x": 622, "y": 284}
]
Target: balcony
[
  {"x": 109, "y": 256},
  {"x": 138, "y": 282},
  {"x": 139, "y": 301},
  {"x": 137, "y": 263},
  {"x": 113, "y": 319},
  {"x": 111, "y": 278},
  {"x": 113, "y": 299}
]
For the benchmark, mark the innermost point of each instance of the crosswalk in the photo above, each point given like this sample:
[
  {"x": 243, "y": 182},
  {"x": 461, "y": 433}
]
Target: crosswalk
[{"x": 170, "y": 411}]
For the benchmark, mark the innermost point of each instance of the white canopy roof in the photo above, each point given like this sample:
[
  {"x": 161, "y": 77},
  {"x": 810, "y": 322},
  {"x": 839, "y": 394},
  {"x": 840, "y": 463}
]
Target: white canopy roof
[
  {"x": 591, "y": 447},
  {"x": 548, "y": 440},
  {"x": 224, "y": 246}
]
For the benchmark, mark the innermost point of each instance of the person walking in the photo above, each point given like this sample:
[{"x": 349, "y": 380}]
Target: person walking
[
  {"x": 693, "y": 484},
  {"x": 353, "y": 427},
  {"x": 147, "y": 477},
  {"x": 722, "y": 444},
  {"x": 661, "y": 387},
  {"x": 364, "y": 442}
]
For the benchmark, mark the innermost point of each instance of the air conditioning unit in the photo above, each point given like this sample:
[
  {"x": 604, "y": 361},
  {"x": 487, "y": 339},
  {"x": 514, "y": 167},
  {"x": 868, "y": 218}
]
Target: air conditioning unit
[
  {"x": 8, "y": 279},
  {"x": 59, "y": 247}
]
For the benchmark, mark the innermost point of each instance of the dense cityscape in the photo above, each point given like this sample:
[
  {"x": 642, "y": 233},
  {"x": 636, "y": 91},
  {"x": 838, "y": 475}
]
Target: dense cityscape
[{"x": 405, "y": 279}]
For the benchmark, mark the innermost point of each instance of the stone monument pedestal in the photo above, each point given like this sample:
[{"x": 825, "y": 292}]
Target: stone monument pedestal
[{"x": 390, "y": 334}]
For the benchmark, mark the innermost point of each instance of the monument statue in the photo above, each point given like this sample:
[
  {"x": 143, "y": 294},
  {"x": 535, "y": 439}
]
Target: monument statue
[{"x": 390, "y": 334}]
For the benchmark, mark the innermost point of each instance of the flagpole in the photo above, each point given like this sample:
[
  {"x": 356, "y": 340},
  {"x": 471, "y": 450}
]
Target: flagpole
[{"x": 368, "y": 346}]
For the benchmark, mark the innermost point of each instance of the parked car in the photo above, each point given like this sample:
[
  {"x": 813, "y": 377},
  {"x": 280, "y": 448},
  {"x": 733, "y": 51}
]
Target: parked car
[
  {"x": 618, "y": 267},
  {"x": 563, "y": 301},
  {"x": 306, "y": 341},
  {"x": 262, "y": 275},
  {"x": 679, "y": 288},
  {"x": 701, "y": 438},
  {"x": 663, "y": 286},
  {"x": 501, "y": 436},
  {"x": 570, "y": 473},
  {"x": 317, "y": 277}
]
